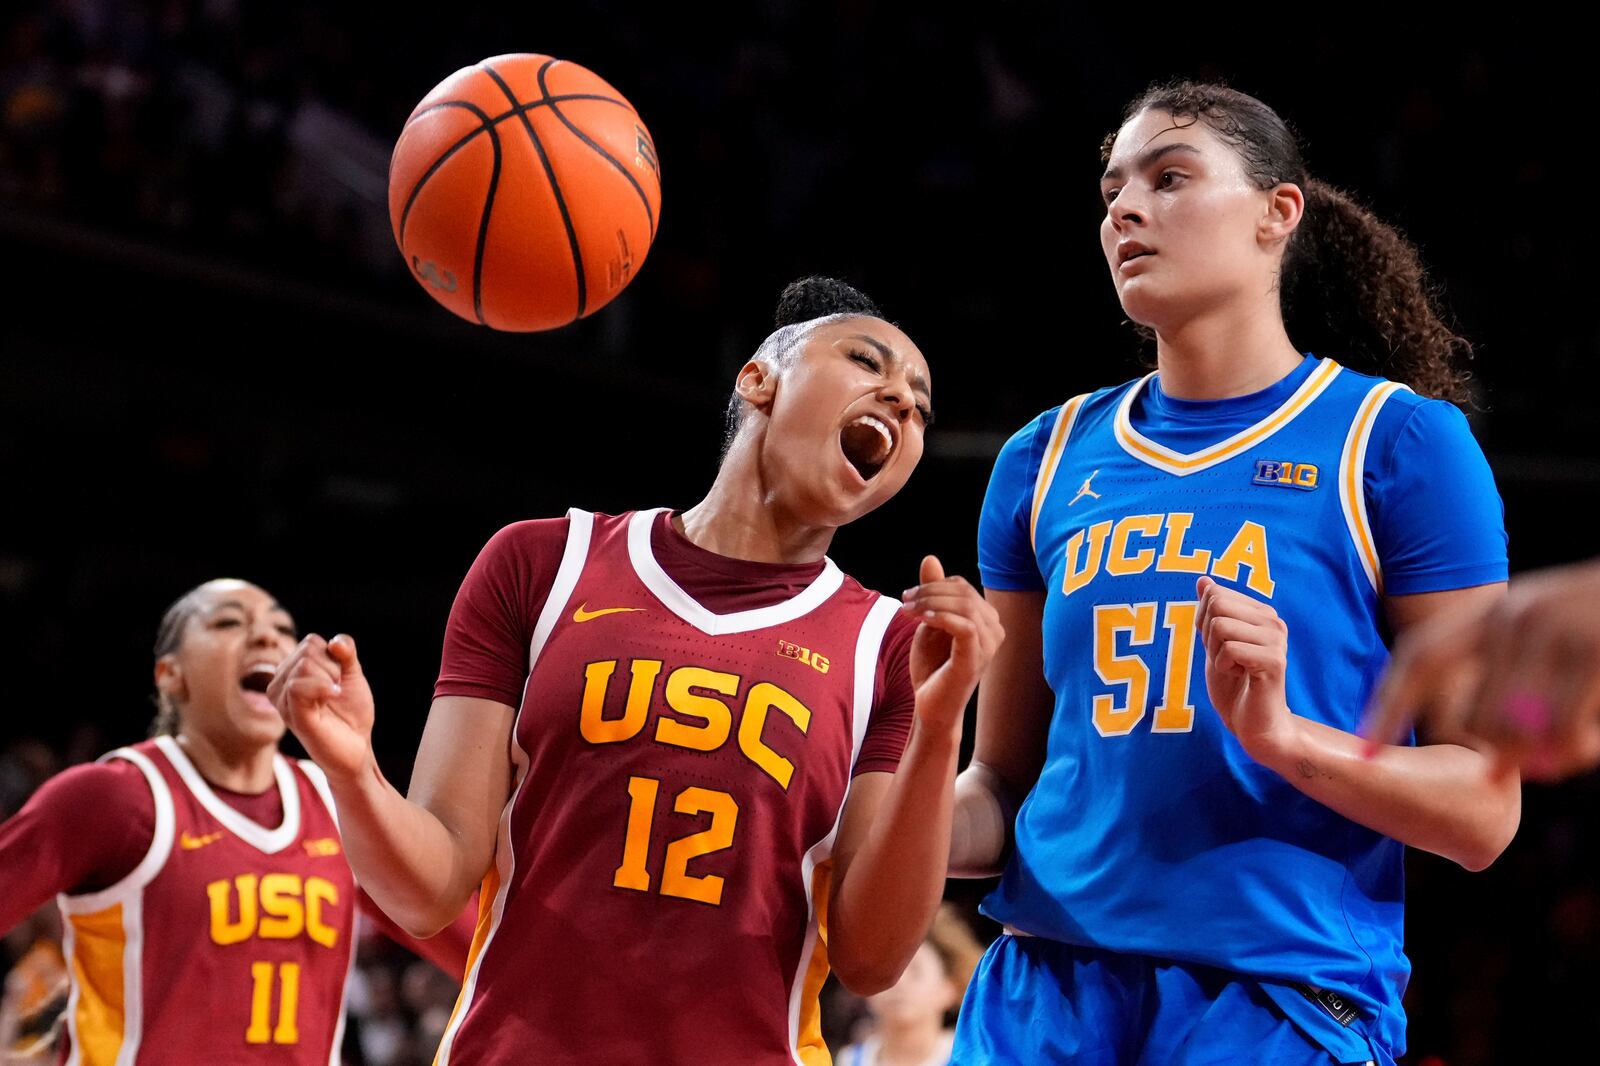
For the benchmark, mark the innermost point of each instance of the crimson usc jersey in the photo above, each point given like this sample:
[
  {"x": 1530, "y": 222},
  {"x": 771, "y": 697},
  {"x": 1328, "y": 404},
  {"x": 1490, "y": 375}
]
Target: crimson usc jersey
[
  {"x": 229, "y": 943},
  {"x": 662, "y": 868}
]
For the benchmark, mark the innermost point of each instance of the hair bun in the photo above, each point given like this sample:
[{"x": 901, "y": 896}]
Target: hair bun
[{"x": 815, "y": 296}]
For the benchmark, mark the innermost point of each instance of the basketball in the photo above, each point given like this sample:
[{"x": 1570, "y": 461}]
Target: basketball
[{"x": 524, "y": 192}]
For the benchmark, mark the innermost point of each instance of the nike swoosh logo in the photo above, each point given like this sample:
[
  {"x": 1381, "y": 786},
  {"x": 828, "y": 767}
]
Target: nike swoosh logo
[
  {"x": 583, "y": 614},
  {"x": 189, "y": 843}
]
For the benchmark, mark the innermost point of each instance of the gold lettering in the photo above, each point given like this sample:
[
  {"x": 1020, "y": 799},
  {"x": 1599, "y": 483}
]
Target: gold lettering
[
  {"x": 1172, "y": 558},
  {"x": 1249, "y": 549},
  {"x": 716, "y": 715},
  {"x": 320, "y": 891},
  {"x": 224, "y": 931},
  {"x": 592, "y": 723},
  {"x": 280, "y": 899},
  {"x": 762, "y": 698},
  {"x": 1076, "y": 578},
  {"x": 1120, "y": 563}
]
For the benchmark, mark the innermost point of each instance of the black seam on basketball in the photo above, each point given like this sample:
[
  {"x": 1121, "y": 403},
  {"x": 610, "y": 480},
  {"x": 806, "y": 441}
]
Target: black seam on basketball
[
  {"x": 483, "y": 124},
  {"x": 502, "y": 116},
  {"x": 483, "y": 230},
  {"x": 555, "y": 188},
  {"x": 650, "y": 215}
]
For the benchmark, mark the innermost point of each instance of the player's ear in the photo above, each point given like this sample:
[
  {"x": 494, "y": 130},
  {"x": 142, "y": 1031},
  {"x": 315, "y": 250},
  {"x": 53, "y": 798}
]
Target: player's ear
[
  {"x": 1286, "y": 205},
  {"x": 757, "y": 383},
  {"x": 169, "y": 678}
]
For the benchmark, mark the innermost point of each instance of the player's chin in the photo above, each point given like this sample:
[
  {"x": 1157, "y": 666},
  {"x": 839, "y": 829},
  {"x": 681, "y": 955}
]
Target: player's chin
[
  {"x": 258, "y": 727},
  {"x": 1143, "y": 302},
  {"x": 857, "y": 495}
]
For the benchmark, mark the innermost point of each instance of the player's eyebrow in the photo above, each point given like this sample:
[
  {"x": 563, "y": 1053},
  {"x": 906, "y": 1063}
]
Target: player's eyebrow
[
  {"x": 918, "y": 382},
  {"x": 1149, "y": 157}
]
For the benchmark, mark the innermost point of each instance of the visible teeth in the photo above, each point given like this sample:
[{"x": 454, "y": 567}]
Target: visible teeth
[
  {"x": 263, "y": 668},
  {"x": 877, "y": 424}
]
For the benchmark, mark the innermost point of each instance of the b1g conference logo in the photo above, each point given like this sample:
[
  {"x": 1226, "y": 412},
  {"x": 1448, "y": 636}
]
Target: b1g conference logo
[{"x": 1285, "y": 475}]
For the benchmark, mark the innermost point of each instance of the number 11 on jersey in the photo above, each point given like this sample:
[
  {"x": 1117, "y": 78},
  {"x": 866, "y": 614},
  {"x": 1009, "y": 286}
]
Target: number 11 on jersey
[{"x": 261, "y": 1029}]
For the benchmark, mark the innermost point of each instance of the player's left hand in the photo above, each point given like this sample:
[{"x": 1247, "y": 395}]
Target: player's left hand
[
  {"x": 1247, "y": 654},
  {"x": 959, "y": 635}
]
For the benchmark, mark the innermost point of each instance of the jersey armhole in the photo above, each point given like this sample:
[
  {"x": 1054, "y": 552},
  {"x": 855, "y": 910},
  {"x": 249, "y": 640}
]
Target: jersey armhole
[
  {"x": 154, "y": 858},
  {"x": 1352, "y": 480},
  {"x": 1053, "y": 450},
  {"x": 319, "y": 781}
]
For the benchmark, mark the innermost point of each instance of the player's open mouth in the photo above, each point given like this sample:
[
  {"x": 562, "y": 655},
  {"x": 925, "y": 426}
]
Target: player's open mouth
[
  {"x": 867, "y": 444},
  {"x": 257, "y": 677},
  {"x": 254, "y": 682}
]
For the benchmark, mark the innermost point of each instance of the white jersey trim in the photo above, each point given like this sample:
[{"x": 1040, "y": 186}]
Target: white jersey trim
[
  {"x": 869, "y": 644},
  {"x": 129, "y": 892},
  {"x": 686, "y": 607},
  {"x": 1352, "y": 480},
  {"x": 268, "y": 841},
  {"x": 336, "y": 1049},
  {"x": 1161, "y": 457},
  {"x": 580, "y": 531},
  {"x": 1052, "y": 458},
  {"x": 319, "y": 781},
  {"x": 154, "y": 859}
]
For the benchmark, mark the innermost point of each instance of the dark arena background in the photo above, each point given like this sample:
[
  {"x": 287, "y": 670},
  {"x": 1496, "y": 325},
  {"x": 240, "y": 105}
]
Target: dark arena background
[{"x": 212, "y": 361}]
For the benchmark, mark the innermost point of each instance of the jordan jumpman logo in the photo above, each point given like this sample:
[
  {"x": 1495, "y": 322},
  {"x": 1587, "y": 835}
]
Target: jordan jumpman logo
[{"x": 1086, "y": 490}]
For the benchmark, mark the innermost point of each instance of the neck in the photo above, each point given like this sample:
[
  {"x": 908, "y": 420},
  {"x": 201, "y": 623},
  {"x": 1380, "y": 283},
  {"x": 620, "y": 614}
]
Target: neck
[
  {"x": 1223, "y": 354},
  {"x": 247, "y": 770},
  {"x": 741, "y": 516},
  {"x": 906, "y": 1042}
]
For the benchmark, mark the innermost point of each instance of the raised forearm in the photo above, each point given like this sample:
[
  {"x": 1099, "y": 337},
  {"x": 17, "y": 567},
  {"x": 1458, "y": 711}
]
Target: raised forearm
[
  {"x": 894, "y": 882},
  {"x": 1441, "y": 798},
  {"x": 405, "y": 858}
]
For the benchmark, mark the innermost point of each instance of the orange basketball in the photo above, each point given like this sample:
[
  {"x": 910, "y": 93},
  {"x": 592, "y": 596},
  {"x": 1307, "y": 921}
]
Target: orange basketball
[{"x": 524, "y": 192}]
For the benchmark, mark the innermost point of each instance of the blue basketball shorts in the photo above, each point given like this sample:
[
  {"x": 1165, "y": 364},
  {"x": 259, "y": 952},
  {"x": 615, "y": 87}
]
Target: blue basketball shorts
[{"x": 1034, "y": 1001}]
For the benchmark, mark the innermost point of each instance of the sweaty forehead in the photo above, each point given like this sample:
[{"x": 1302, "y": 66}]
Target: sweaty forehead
[{"x": 1152, "y": 129}]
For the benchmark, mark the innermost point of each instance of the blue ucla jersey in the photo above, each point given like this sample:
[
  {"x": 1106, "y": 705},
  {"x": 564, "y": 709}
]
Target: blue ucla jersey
[{"x": 1150, "y": 831}]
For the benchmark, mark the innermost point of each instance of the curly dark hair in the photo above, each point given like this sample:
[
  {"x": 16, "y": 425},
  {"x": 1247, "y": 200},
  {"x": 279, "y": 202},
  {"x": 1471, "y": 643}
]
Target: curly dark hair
[
  {"x": 1351, "y": 283},
  {"x": 802, "y": 300},
  {"x": 817, "y": 296}
]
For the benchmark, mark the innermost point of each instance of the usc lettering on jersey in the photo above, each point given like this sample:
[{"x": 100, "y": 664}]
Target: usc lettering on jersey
[
  {"x": 662, "y": 869},
  {"x": 229, "y": 943}
]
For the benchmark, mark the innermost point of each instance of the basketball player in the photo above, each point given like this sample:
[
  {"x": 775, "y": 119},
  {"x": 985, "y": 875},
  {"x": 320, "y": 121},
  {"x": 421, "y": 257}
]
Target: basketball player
[
  {"x": 705, "y": 803},
  {"x": 1522, "y": 674},
  {"x": 1196, "y": 571},
  {"x": 205, "y": 897}
]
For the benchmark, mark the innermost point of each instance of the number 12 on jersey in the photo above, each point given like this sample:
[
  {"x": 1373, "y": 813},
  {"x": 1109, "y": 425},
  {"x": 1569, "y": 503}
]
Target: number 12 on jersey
[
  {"x": 675, "y": 877},
  {"x": 1175, "y": 712}
]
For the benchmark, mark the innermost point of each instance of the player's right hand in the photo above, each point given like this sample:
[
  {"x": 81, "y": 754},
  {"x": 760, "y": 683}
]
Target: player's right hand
[
  {"x": 953, "y": 646},
  {"x": 325, "y": 700}
]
